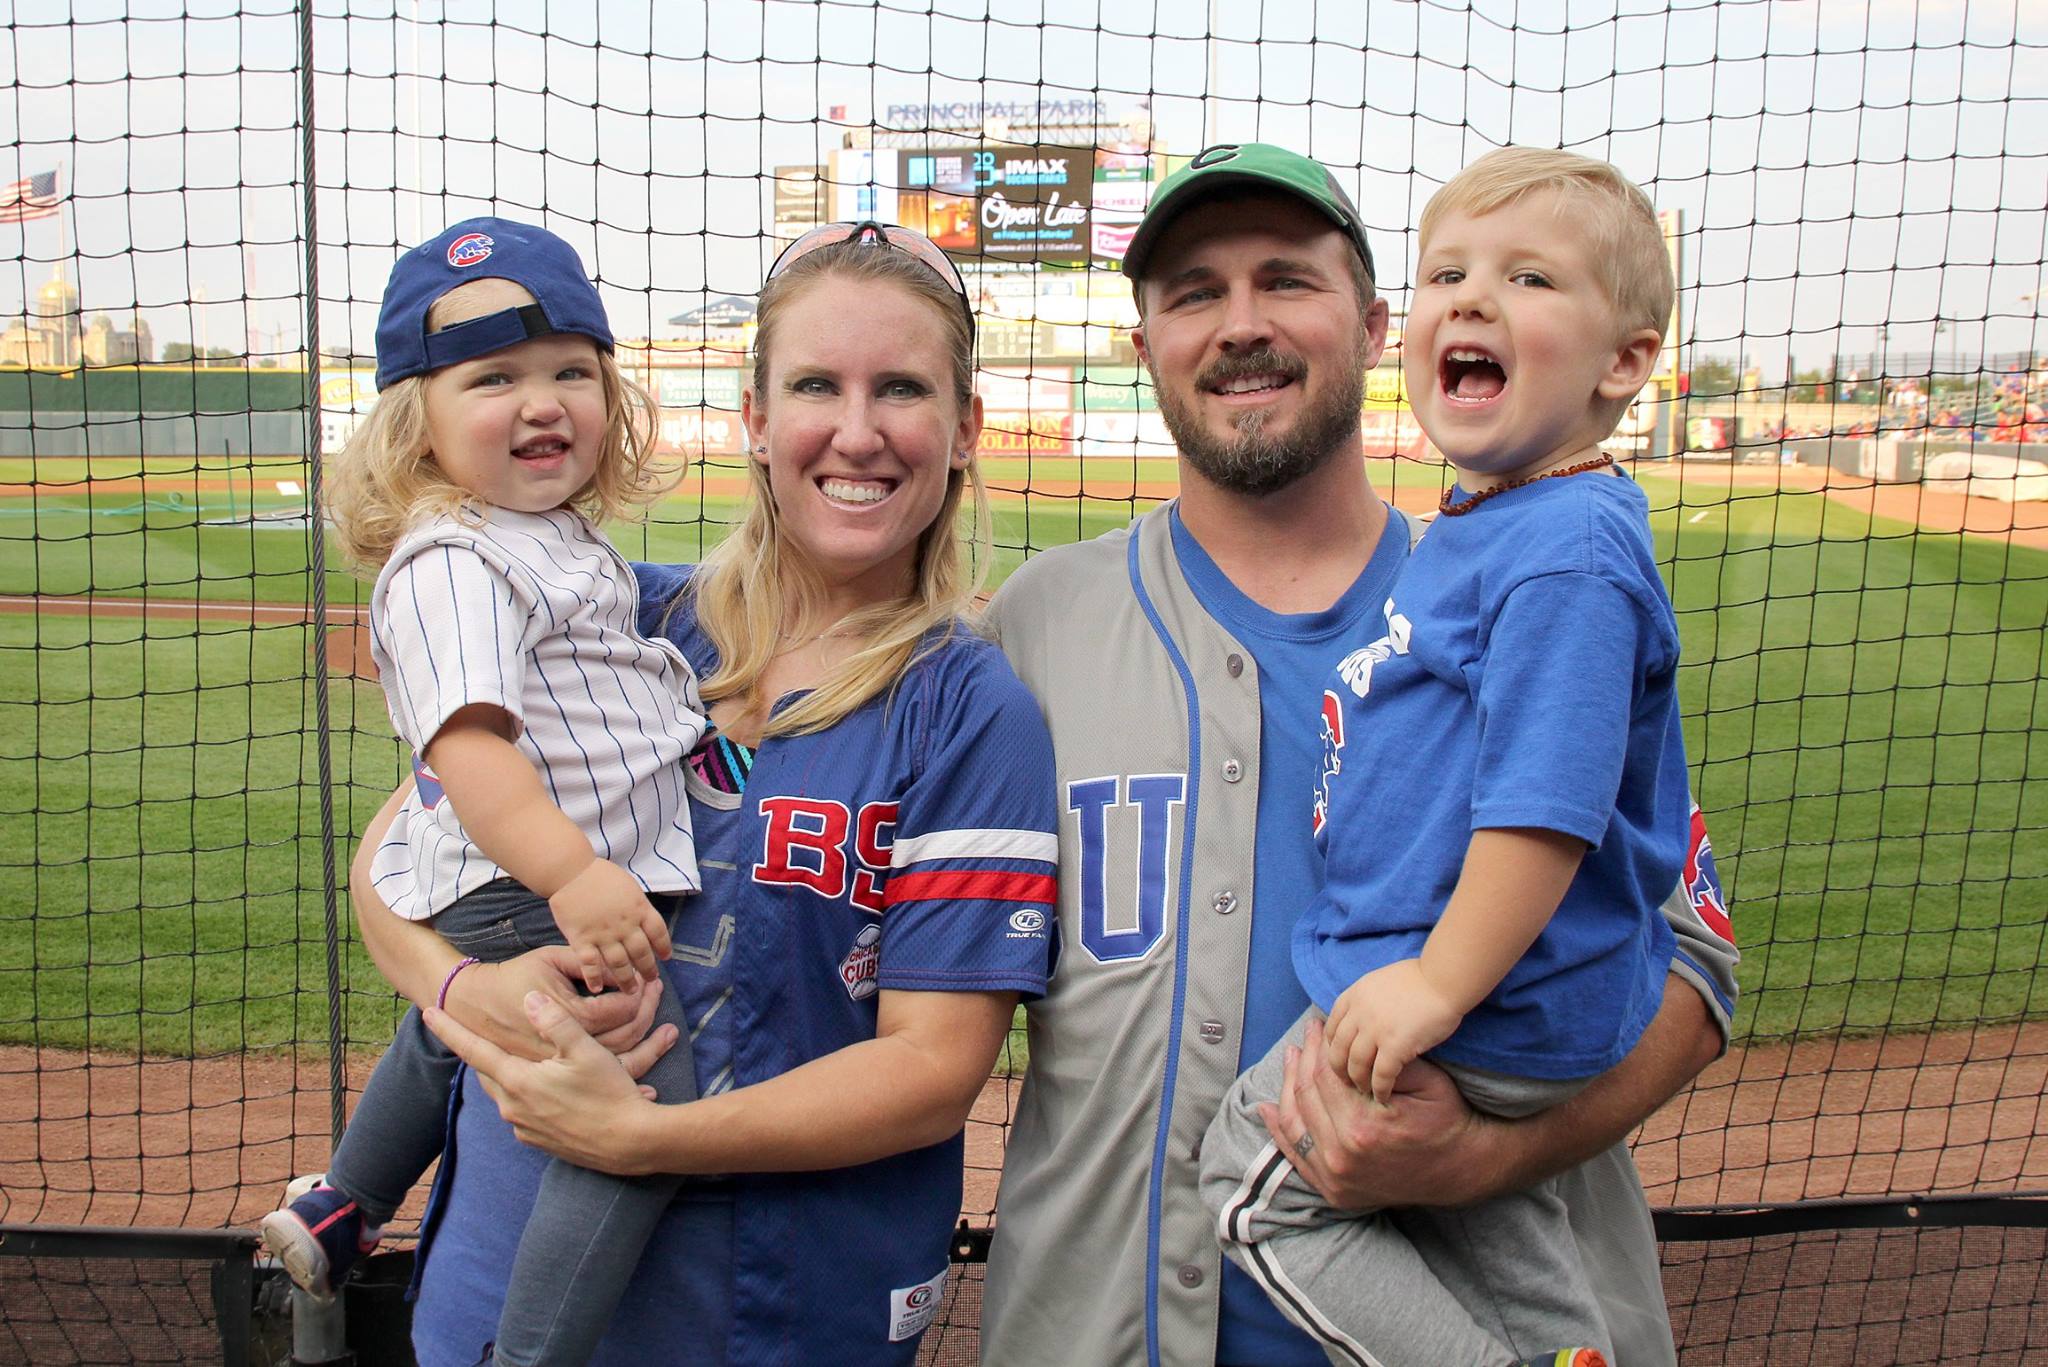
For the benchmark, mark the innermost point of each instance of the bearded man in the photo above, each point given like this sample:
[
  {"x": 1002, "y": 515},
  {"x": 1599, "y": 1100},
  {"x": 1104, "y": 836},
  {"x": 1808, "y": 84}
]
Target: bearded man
[{"x": 1181, "y": 664}]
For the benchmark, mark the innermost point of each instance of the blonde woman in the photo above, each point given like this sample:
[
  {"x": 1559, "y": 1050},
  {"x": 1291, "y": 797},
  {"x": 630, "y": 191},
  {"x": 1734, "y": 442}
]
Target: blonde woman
[{"x": 874, "y": 817}]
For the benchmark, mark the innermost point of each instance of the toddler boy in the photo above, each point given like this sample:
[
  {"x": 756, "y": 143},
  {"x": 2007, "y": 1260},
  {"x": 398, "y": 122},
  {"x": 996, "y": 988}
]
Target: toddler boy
[{"x": 1503, "y": 801}]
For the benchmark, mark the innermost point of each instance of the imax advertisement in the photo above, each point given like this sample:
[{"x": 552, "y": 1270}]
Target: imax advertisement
[{"x": 1062, "y": 206}]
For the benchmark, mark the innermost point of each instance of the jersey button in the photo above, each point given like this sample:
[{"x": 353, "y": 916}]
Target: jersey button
[
  {"x": 1225, "y": 903},
  {"x": 1235, "y": 664},
  {"x": 1232, "y": 771},
  {"x": 1212, "y": 1032},
  {"x": 1190, "y": 1275}
]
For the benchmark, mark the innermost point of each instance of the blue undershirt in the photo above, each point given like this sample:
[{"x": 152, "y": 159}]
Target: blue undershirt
[{"x": 1295, "y": 653}]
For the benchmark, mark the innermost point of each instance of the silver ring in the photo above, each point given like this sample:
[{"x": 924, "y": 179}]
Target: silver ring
[{"x": 1305, "y": 1145}]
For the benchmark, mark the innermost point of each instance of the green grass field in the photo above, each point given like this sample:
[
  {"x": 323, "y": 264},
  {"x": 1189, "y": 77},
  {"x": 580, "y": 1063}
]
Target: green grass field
[
  {"x": 1865, "y": 711},
  {"x": 211, "y": 543}
]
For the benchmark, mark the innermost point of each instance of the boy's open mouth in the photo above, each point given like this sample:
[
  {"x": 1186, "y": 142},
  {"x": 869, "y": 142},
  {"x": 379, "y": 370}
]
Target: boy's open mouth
[{"x": 1471, "y": 375}]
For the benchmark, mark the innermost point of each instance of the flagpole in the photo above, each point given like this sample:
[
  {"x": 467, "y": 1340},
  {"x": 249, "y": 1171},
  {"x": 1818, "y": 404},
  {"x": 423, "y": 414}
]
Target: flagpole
[{"x": 73, "y": 326}]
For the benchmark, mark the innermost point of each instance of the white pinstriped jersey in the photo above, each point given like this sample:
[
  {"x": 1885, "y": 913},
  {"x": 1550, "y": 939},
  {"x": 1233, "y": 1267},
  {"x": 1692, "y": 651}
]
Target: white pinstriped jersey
[{"x": 534, "y": 613}]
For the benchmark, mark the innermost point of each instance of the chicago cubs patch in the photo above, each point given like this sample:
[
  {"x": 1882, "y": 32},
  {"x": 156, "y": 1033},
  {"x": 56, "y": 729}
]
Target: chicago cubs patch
[
  {"x": 469, "y": 250},
  {"x": 857, "y": 970},
  {"x": 914, "y": 1307},
  {"x": 1703, "y": 881}
]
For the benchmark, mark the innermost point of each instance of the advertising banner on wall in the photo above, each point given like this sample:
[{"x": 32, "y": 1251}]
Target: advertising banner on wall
[
  {"x": 694, "y": 432},
  {"x": 345, "y": 397},
  {"x": 1114, "y": 389},
  {"x": 694, "y": 386},
  {"x": 1392, "y": 432},
  {"x": 1027, "y": 434},
  {"x": 1036, "y": 389},
  {"x": 1122, "y": 435},
  {"x": 802, "y": 201},
  {"x": 864, "y": 186}
]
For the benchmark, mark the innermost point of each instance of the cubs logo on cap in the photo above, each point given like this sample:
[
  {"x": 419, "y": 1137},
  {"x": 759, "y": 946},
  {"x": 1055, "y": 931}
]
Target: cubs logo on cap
[{"x": 469, "y": 250}]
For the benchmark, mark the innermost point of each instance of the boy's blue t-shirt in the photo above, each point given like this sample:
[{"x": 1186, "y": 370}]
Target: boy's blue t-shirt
[
  {"x": 1526, "y": 678},
  {"x": 1293, "y": 653}
]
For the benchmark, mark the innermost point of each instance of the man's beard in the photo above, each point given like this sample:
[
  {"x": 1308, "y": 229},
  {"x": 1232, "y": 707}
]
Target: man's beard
[{"x": 1251, "y": 462}]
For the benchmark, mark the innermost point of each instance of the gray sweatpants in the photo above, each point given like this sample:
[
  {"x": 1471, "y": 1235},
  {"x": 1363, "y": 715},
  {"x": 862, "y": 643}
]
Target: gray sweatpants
[
  {"x": 1480, "y": 1286},
  {"x": 584, "y": 1236}
]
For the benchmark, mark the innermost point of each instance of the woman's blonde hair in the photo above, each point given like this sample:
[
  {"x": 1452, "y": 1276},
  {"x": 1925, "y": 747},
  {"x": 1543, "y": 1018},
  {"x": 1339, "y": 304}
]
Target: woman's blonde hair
[
  {"x": 1606, "y": 206},
  {"x": 385, "y": 479},
  {"x": 753, "y": 585}
]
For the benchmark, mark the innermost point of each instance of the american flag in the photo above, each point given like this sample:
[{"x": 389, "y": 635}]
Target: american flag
[{"x": 35, "y": 197}]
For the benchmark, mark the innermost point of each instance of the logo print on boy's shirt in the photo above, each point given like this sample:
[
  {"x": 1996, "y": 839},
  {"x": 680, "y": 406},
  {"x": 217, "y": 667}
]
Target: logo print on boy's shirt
[{"x": 1333, "y": 741}]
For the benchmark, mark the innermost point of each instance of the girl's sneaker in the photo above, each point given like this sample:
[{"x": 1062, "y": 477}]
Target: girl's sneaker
[{"x": 319, "y": 1237}]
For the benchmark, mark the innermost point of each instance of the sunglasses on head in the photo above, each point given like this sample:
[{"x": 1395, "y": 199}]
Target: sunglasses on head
[{"x": 881, "y": 235}]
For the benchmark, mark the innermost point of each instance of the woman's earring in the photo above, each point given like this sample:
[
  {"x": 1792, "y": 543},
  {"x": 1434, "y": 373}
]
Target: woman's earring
[{"x": 762, "y": 449}]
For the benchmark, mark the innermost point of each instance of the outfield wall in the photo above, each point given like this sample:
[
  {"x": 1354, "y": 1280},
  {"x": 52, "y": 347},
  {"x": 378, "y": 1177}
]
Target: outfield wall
[{"x": 47, "y": 434}]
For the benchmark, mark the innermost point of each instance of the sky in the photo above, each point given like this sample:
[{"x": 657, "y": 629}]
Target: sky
[{"x": 1839, "y": 166}]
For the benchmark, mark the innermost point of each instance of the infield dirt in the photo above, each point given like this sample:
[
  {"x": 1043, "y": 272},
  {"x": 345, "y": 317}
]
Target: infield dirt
[{"x": 210, "y": 1142}]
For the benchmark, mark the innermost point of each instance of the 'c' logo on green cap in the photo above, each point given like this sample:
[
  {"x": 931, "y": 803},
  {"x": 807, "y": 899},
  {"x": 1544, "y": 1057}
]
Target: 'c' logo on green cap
[{"x": 1210, "y": 156}]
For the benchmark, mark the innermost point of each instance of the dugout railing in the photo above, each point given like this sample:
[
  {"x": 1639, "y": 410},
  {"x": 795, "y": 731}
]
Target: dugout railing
[{"x": 1845, "y": 446}]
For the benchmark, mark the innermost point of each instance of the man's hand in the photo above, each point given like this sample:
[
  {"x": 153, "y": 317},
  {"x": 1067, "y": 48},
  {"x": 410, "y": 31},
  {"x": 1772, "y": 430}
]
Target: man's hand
[
  {"x": 606, "y": 918},
  {"x": 1425, "y": 1148},
  {"x": 1384, "y": 1021}
]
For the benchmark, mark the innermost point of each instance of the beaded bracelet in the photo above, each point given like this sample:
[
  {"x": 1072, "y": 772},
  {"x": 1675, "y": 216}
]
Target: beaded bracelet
[{"x": 441, "y": 1003}]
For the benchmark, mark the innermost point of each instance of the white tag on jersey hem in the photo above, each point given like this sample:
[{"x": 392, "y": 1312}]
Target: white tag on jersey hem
[{"x": 912, "y": 1309}]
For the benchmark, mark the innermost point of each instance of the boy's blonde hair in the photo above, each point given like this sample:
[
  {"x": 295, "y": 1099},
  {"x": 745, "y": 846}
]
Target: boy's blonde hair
[
  {"x": 385, "y": 479},
  {"x": 753, "y": 584},
  {"x": 1612, "y": 210}
]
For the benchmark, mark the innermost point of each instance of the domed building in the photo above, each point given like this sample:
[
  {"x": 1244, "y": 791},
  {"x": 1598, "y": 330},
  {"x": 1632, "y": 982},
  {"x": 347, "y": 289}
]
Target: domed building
[
  {"x": 106, "y": 344},
  {"x": 51, "y": 335}
]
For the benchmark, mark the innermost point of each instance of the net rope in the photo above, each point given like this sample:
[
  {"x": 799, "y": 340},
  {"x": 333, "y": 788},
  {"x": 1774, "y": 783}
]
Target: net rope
[{"x": 1845, "y": 448}]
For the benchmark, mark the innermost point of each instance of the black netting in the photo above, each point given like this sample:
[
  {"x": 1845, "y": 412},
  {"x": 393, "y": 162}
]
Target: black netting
[{"x": 1842, "y": 444}]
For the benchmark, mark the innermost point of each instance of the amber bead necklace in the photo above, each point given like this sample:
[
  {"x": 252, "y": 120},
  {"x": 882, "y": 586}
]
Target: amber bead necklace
[{"x": 1450, "y": 509}]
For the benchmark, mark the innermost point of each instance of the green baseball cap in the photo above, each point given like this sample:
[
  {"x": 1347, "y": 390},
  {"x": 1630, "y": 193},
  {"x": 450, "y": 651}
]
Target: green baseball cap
[{"x": 1258, "y": 164}]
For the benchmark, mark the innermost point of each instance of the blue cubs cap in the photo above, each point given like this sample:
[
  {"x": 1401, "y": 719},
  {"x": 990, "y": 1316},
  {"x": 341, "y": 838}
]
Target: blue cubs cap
[
  {"x": 1259, "y": 165},
  {"x": 475, "y": 249}
]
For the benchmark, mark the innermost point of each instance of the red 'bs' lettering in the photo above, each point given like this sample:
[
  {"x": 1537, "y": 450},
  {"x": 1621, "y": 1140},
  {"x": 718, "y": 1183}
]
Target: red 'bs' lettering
[{"x": 806, "y": 844}]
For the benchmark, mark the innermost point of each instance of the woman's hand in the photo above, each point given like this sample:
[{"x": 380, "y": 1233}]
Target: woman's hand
[
  {"x": 577, "y": 1101},
  {"x": 489, "y": 1000}
]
